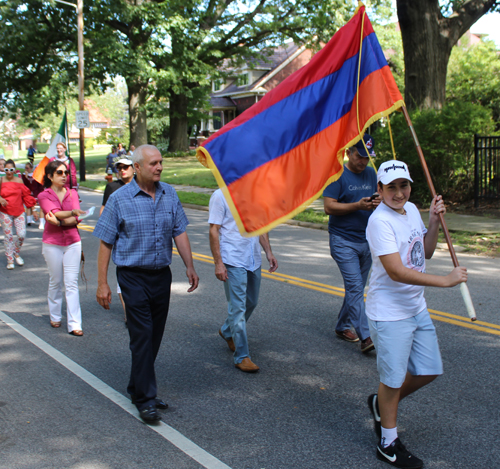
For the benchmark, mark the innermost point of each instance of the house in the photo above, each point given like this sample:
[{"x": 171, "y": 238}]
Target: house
[
  {"x": 248, "y": 84},
  {"x": 97, "y": 123}
]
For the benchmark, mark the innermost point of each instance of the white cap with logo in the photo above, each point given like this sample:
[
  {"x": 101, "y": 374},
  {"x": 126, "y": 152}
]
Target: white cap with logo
[{"x": 392, "y": 170}]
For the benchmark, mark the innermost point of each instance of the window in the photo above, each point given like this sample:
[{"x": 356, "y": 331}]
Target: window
[
  {"x": 242, "y": 80},
  {"x": 217, "y": 84},
  {"x": 217, "y": 120}
]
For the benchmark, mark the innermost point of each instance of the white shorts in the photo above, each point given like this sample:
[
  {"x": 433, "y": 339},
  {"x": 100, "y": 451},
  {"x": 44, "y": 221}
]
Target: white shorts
[{"x": 408, "y": 345}]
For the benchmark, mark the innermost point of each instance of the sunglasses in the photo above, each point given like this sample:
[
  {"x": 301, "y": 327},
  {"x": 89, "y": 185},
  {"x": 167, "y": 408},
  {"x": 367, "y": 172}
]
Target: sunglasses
[
  {"x": 10, "y": 170},
  {"x": 123, "y": 166},
  {"x": 60, "y": 172}
]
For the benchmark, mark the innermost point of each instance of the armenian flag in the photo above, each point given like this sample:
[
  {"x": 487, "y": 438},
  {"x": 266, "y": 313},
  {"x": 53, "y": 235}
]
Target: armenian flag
[{"x": 276, "y": 158}]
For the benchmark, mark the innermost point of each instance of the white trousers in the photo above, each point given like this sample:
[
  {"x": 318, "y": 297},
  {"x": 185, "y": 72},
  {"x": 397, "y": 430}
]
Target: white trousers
[{"x": 63, "y": 263}]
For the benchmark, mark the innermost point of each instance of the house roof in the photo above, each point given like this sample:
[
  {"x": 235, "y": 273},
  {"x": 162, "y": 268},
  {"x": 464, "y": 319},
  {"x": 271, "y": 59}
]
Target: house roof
[
  {"x": 221, "y": 102},
  {"x": 95, "y": 114},
  {"x": 268, "y": 62}
]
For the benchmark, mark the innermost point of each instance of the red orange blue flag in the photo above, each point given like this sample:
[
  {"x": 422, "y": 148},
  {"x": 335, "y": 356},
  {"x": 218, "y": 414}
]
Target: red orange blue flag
[{"x": 276, "y": 158}]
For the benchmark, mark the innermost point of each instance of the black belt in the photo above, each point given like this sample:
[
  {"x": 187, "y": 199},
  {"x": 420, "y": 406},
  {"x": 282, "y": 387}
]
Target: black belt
[{"x": 143, "y": 270}]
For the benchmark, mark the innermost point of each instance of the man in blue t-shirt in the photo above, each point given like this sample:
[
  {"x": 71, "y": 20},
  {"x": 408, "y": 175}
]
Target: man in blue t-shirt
[{"x": 349, "y": 201}]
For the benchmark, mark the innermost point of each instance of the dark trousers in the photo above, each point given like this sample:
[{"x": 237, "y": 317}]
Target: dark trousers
[{"x": 146, "y": 294}]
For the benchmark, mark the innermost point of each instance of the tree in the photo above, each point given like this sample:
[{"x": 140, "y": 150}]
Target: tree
[
  {"x": 474, "y": 76},
  {"x": 428, "y": 37},
  {"x": 37, "y": 47}
]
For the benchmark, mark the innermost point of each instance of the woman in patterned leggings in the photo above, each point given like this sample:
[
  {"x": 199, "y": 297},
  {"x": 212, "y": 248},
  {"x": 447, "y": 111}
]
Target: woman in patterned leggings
[{"x": 13, "y": 194}]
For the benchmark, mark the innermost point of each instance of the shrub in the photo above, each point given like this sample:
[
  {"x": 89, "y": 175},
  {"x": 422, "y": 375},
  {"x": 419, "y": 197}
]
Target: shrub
[
  {"x": 178, "y": 154},
  {"x": 447, "y": 141},
  {"x": 89, "y": 143},
  {"x": 42, "y": 147}
]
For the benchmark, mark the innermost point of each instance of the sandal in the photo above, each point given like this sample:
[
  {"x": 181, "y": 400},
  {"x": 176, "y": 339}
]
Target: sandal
[
  {"x": 77, "y": 332},
  {"x": 55, "y": 324}
]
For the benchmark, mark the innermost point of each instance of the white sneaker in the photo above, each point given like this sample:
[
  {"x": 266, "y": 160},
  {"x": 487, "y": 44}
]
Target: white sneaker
[
  {"x": 41, "y": 226},
  {"x": 19, "y": 260},
  {"x": 10, "y": 266}
]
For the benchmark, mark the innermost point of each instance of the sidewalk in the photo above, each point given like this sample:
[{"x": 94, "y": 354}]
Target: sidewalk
[{"x": 454, "y": 221}]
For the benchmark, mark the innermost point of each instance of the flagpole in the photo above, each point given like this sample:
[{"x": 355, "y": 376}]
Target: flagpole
[{"x": 463, "y": 286}]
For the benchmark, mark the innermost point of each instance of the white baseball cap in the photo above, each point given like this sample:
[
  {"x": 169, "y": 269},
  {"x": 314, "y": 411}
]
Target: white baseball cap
[
  {"x": 391, "y": 170},
  {"x": 124, "y": 161}
]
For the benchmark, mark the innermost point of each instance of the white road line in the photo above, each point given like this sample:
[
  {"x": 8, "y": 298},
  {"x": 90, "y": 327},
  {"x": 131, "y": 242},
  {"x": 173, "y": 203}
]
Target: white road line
[{"x": 170, "y": 434}]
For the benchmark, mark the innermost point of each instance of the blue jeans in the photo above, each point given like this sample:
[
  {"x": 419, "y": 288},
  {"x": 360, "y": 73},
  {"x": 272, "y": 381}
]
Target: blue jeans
[
  {"x": 242, "y": 293},
  {"x": 354, "y": 261}
]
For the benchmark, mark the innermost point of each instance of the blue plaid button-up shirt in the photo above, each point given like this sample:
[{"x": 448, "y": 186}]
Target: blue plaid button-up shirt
[{"x": 141, "y": 229}]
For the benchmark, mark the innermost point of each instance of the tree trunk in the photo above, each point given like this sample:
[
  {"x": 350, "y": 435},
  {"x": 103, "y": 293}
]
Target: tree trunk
[
  {"x": 137, "y": 94},
  {"x": 178, "y": 132},
  {"x": 427, "y": 53},
  {"x": 428, "y": 38}
]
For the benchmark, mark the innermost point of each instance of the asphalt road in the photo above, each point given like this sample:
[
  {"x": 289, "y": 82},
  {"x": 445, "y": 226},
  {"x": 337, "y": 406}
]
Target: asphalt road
[{"x": 63, "y": 399}]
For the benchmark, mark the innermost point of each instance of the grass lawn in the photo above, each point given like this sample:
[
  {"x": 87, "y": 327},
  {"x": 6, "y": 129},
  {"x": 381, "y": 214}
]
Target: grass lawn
[{"x": 186, "y": 170}]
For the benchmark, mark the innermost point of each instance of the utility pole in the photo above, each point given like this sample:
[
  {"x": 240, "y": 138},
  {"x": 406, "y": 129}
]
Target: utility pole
[{"x": 79, "y": 11}]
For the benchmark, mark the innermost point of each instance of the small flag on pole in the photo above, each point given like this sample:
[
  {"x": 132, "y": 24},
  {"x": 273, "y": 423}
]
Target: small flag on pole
[
  {"x": 276, "y": 158},
  {"x": 60, "y": 137}
]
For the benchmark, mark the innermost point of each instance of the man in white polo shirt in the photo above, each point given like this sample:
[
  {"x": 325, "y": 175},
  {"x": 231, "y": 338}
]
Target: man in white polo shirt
[{"x": 237, "y": 264}]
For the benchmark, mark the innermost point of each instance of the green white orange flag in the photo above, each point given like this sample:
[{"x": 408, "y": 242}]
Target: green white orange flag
[{"x": 60, "y": 137}]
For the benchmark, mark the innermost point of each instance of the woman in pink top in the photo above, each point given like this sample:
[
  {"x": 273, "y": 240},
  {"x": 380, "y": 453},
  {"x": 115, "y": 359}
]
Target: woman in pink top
[
  {"x": 13, "y": 196},
  {"x": 62, "y": 247}
]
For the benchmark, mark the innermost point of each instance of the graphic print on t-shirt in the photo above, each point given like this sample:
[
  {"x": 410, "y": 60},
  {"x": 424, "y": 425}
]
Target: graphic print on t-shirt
[{"x": 416, "y": 252}]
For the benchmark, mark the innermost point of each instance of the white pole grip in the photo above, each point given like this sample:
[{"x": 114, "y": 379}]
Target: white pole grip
[{"x": 464, "y": 289}]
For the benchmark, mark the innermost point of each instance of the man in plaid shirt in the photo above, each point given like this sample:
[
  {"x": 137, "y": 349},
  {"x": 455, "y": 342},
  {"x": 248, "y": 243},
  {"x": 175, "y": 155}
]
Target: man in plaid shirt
[{"x": 136, "y": 230}]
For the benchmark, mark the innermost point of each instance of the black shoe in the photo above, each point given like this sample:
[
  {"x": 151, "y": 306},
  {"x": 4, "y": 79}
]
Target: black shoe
[
  {"x": 373, "y": 406},
  {"x": 398, "y": 456},
  {"x": 159, "y": 403},
  {"x": 150, "y": 414}
]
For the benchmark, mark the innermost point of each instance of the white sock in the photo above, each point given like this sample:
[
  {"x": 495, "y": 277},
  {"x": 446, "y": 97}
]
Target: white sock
[{"x": 388, "y": 436}]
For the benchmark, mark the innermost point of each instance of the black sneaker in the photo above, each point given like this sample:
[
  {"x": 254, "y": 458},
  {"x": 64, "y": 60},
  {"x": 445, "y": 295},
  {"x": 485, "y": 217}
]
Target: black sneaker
[
  {"x": 398, "y": 456},
  {"x": 373, "y": 405}
]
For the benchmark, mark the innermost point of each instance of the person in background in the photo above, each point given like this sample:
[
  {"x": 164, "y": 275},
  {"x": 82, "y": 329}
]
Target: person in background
[
  {"x": 62, "y": 246},
  {"x": 2, "y": 167},
  {"x": 125, "y": 170},
  {"x": 13, "y": 196},
  {"x": 238, "y": 264},
  {"x": 110, "y": 161},
  {"x": 71, "y": 180},
  {"x": 131, "y": 150},
  {"x": 121, "y": 151},
  {"x": 350, "y": 201},
  {"x": 34, "y": 186},
  {"x": 31, "y": 154}
]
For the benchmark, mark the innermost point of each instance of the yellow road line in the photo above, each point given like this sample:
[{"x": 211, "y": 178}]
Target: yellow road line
[
  {"x": 323, "y": 288},
  {"x": 83, "y": 227}
]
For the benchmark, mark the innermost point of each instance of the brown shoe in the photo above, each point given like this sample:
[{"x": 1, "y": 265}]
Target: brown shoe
[
  {"x": 229, "y": 341},
  {"x": 247, "y": 366},
  {"x": 367, "y": 345},
  {"x": 347, "y": 335}
]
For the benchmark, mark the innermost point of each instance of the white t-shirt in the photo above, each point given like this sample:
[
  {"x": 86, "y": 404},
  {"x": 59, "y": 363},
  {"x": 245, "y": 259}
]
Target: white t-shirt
[
  {"x": 388, "y": 232},
  {"x": 235, "y": 250}
]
